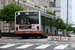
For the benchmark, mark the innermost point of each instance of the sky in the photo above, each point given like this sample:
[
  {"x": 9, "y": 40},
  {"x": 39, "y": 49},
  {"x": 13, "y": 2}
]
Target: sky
[{"x": 73, "y": 11}]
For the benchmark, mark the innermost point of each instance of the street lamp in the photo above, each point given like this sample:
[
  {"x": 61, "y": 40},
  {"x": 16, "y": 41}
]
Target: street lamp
[{"x": 67, "y": 18}]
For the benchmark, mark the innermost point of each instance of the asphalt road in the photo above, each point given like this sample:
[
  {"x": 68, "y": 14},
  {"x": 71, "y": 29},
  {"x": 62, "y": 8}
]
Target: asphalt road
[{"x": 34, "y": 44}]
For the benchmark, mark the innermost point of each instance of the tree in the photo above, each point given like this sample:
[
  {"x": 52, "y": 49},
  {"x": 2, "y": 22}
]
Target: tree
[
  {"x": 61, "y": 25},
  {"x": 69, "y": 28},
  {"x": 48, "y": 12},
  {"x": 8, "y": 12},
  {"x": 73, "y": 29}
]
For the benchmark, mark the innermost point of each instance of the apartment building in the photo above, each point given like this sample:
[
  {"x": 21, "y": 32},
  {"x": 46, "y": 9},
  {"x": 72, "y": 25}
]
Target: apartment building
[
  {"x": 60, "y": 7},
  {"x": 41, "y": 5}
]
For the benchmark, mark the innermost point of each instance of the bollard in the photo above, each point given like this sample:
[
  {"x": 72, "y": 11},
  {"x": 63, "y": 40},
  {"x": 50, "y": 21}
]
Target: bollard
[{"x": 0, "y": 33}]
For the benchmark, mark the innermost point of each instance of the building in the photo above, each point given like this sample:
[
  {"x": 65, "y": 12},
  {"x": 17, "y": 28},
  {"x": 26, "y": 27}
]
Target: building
[
  {"x": 41, "y": 5},
  {"x": 60, "y": 7}
]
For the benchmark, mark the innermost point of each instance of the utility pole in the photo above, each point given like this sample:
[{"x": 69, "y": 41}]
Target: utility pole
[{"x": 67, "y": 18}]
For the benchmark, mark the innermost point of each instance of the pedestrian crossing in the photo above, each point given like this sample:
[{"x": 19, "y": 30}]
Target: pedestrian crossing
[
  {"x": 61, "y": 47},
  {"x": 24, "y": 46},
  {"x": 40, "y": 46}
]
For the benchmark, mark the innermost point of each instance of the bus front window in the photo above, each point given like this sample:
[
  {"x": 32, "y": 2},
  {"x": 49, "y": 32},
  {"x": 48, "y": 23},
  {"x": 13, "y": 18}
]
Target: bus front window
[{"x": 22, "y": 19}]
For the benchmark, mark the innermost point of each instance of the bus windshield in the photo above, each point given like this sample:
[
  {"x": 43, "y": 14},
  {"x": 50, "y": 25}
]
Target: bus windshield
[{"x": 26, "y": 19}]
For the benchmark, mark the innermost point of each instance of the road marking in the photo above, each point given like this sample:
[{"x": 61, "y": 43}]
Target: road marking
[
  {"x": 7, "y": 46},
  {"x": 61, "y": 47},
  {"x": 24, "y": 46},
  {"x": 42, "y": 46},
  {"x": 37, "y": 44}
]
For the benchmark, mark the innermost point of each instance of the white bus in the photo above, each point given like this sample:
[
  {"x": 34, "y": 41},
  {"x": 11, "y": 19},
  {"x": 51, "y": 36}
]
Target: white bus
[{"x": 32, "y": 24}]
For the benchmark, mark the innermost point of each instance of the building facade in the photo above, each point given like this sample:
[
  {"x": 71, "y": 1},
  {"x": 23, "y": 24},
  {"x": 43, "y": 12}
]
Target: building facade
[
  {"x": 41, "y": 5},
  {"x": 60, "y": 7}
]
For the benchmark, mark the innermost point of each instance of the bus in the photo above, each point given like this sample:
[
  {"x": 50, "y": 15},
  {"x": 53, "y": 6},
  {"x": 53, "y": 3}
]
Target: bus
[{"x": 32, "y": 24}]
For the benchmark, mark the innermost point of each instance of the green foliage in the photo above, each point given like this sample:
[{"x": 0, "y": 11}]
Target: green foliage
[
  {"x": 54, "y": 22},
  {"x": 73, "y": 29},
  {"x": 8, "y": 12},
  {"x": 48, "y": 12},
  {"x": 69, "y": 28},
  {"x": 61, "y": 25},
  {"x": 47, "y": 21}
]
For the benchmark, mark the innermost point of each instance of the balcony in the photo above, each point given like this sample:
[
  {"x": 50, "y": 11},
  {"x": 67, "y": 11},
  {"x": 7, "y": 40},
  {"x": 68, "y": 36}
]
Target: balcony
[
  {"x": 36, "y": 3},
  {"x": 24, "y": 0},
  {"x": 51, "y": 0},
  {"x": 39, "y": 4}
]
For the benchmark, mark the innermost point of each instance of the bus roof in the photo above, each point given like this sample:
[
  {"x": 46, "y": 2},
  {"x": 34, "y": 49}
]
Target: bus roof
[
  {"x": 48, "y": 15},
  {"x": 41, "y": 13}
]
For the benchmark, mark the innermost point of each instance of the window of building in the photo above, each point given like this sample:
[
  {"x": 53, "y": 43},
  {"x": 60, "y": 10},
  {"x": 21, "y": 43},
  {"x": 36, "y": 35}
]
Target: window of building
[
  {"x": 23, "y": 6},
  {"x": 32, "y": 0},
  {"x": 5, "y": 25},
  {"x": 54, "y": 13},
  {"x": 41, "y": 2},
  {"x": 54, "y": 2},
  {"x": 18, "y": 2},
  {"x": 51, "y": 4},
  {"x": 6, "y": 2},
  {"x": 13, "y": 0},
  {"x": 31, "y": 8},
  {"x": 27, "y": 7}
]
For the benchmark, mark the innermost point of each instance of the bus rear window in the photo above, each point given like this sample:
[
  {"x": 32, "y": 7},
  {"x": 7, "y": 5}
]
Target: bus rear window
[{"x": 23, "y": 19}]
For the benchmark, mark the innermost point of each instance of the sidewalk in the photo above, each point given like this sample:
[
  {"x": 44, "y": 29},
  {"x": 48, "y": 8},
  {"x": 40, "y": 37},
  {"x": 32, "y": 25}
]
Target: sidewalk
[
  {"x": 15, "y": 39},
  {"x": 4, "y": 38}
]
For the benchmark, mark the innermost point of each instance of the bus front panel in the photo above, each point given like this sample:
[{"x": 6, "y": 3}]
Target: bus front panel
[{"x": 26, "y": 22}]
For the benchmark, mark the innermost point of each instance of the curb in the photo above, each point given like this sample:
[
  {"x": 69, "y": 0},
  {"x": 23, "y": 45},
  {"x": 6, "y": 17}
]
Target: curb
[
  {"x": 10, "y": 38},
  {"x": 15, "y": 37}
]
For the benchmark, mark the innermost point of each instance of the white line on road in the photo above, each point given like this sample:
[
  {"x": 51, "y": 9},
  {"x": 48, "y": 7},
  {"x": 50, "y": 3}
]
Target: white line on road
[
  {"x": 61, "y": 47},
  {"x": 24, "y": 46},
  {"x": 7, "y": 46},
  {"x": 42, "y": 46}
]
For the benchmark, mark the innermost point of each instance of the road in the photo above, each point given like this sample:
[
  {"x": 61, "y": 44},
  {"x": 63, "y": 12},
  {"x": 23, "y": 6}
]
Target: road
[{"x": 33, "y": 46}]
